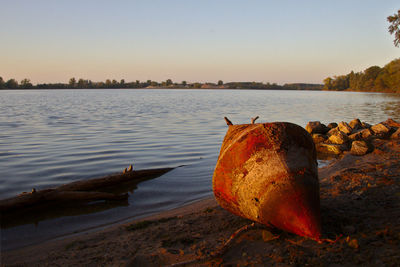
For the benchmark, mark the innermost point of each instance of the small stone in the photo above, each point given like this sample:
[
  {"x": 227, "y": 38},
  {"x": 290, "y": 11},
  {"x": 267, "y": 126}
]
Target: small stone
[
  {"x": 319, "y": 138},
  {"x": 353, "y": 243},
  {"x": 380, "y": 130},
  {"x": 391, "y": 123},
  {"x": 396, "y": 134},
  {"x": 332, "y": 125},
  {"x": 345, "y": 127},
  {"x": 316, "y": 127},
  {"x": 268, "y": 236},
  {"x": 359, "y": 148},
  {"x": 328, "y": 148},
  {"x": 332, "y": 131},
  {"x": 366, "y": 133},
  {"x": 361, "y": 135},
  {"x": 355, "y": 124},
  {"x": 338, "y": 138},
  {"x": 365, "y": 125}
]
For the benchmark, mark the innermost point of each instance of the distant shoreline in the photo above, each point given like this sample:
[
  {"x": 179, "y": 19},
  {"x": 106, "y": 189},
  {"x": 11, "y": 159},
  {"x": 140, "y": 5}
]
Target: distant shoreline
[{"x": 205, "y": 89}]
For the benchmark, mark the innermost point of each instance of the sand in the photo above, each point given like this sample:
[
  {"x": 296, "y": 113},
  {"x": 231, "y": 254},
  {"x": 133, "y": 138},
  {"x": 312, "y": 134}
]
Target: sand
[{"x": 360, "y": 204}]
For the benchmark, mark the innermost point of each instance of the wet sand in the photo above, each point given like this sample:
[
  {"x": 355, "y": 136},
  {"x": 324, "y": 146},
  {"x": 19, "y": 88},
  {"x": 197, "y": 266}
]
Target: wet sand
[{"x": 360, "y": 204}]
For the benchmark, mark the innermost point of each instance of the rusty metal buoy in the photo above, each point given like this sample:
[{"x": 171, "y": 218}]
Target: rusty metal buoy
[{"x": 268, "y": 173}]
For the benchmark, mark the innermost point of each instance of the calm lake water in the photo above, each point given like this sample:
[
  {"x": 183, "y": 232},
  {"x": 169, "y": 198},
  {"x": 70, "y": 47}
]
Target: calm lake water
[{"x": 51, "y": 137}]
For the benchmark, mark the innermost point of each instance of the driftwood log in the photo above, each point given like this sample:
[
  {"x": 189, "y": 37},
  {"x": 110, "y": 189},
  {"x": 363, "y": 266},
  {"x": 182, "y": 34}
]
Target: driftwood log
[{"x": 112, "y": 187}]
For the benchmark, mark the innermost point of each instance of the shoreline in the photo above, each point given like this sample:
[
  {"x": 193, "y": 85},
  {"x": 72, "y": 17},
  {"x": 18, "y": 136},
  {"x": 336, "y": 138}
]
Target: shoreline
[{"x": 360, "y": 198}]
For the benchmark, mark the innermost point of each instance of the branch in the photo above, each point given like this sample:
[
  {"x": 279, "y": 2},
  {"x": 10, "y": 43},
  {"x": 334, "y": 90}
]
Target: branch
[
  {"x": 253, "y": 120},
  {"x": 228, "y": 122}
]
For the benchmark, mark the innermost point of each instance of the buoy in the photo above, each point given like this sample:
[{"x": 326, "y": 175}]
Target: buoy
[{"x": 268, "y": 173}]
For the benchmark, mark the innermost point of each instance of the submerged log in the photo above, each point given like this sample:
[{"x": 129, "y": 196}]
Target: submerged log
[
  {"x": 267, "y": 172},
  {"x": 99, "y": 184},
  {"x": 82, "y": 191}
]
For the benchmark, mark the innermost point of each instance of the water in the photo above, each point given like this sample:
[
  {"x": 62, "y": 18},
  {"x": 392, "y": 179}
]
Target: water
[{"x": 51, "y": 137}]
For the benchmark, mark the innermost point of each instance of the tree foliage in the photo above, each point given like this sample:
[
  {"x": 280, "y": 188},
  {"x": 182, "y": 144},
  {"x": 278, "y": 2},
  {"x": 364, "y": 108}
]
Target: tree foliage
[
  {"x": 373, "y": 79},
  {"x": 82, "y": 83},
  {"x": 394, "y": 27},
  {"x": 2, "y": 83},
  {"x": 72, "y": 83},
  {"x": 26, "y": 84},
  {"x": 12, "y": 84}
]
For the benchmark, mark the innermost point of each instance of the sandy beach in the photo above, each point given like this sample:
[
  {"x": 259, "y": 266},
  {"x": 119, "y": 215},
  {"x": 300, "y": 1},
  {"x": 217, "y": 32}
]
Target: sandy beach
[{"x": 360, "y": 209}]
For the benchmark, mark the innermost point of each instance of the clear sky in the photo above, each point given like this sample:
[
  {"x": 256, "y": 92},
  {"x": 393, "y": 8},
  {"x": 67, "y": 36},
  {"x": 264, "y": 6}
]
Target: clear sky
[{"x": 194, "y": 40}]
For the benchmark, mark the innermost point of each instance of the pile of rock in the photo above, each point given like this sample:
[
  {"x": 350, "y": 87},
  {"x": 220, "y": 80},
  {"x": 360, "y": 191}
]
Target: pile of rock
[{"x": 355, "y": 136}]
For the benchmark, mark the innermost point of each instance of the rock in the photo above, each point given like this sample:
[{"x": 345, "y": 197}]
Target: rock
[
  {"x": 355, "y": 124},
  {"x": 319, "y": 138},
  {"x": 345, "y": 127},
  {"x": 381, "y": 130},
  {"x": 391, "y": 123},
  {"x": 329, "y": 149},
  {"x": 365, "y": 125},
  {"x": 361, "y": 135},
  {"x": 353, "y": 243},
  {"x": 268, "y": 236},
  {"x": 360, "y": 148},
  {"x": 395, "y": 135},
  {"x": 332, "y": 131},
  {"x": 314, "y": 127},
  {"x": 345, "y": 147},
  {"x": 338, "y": 138},
  {"x": 332, "y": 125}
]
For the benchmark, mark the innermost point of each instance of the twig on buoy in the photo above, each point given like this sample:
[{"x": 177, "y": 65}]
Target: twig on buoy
[
  {"x": 253, "y": 120},
  {"x": 228, "y": 122}
]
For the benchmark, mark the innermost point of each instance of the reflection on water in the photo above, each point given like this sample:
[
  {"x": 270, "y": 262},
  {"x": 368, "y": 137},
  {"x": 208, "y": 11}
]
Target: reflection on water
[{"x": 51, "y": 137}]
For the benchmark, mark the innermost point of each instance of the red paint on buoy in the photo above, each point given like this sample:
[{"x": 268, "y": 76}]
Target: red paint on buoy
[{"x": 267, "y": 172}]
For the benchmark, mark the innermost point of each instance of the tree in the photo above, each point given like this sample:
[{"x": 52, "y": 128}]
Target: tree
[
  {"x": 108, "y": 83},
  {"x": 220, "y": 83},
  {"x": 184, "y": 83},
  {"x": 82, "y": 83},
  {"x": 26, "y": 84},
  {"x": 328, "y": 83},
  {"x": 168, "y": 82},
  {"x": 72, "y": 82},
  {"x": 394, "y": 28},
  {"x": 12, "y": 84},
  {"x": 2, "y": 83}
]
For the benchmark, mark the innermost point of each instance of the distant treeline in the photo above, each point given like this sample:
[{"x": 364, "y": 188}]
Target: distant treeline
[
  {"x": 373, "y": 79},
  {"x": 109, "y": 84}
]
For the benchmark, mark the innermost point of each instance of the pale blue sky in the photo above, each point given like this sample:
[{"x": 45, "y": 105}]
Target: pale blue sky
[{"x": 270, "y": 41}]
